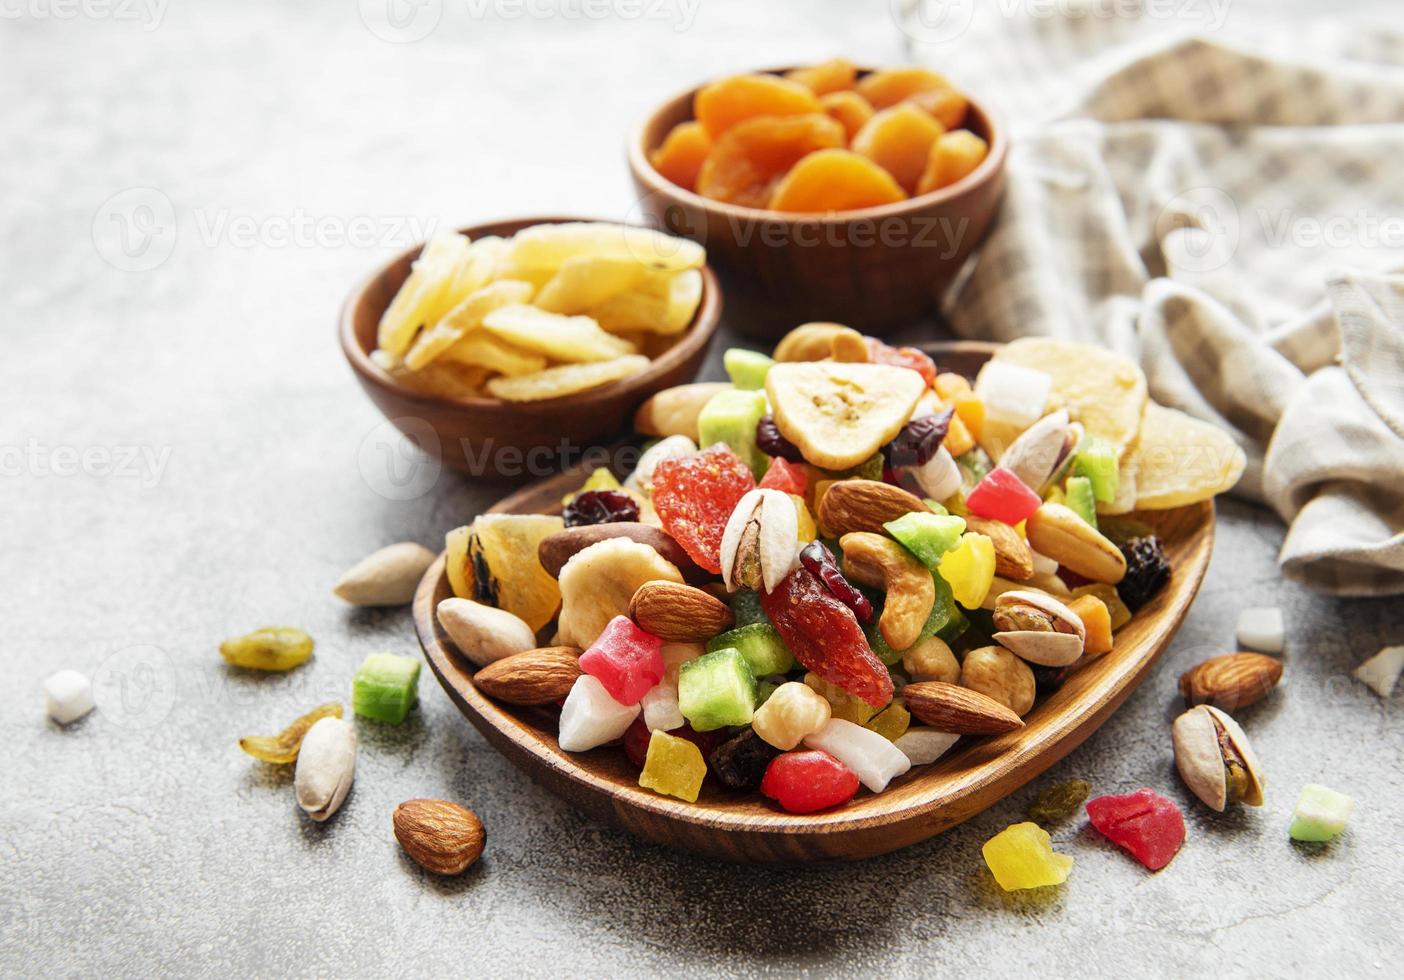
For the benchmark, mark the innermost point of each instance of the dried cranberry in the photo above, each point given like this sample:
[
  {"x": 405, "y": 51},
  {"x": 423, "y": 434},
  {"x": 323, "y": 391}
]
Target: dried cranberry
[
  {"x": 918, "y": 440},
  {"x": 600, "y": 507},
  {"x": 817, "y": 559},
  {"x": 772, "y": 443}
]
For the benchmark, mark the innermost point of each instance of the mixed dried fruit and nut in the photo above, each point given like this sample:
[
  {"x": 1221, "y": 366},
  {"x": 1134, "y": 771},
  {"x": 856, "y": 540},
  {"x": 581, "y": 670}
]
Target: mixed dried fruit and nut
[
  {"x": 551, "y": 311},
  {"x": 834, "y": 567},
  {"x": 822, "y": 138}
]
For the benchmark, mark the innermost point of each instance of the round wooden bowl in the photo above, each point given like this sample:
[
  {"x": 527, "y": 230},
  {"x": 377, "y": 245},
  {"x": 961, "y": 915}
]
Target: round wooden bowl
[
  {"x": 487, "y": 436},
  {"x": 920, "y": 804},
  {"x": 872, "y": 268}
]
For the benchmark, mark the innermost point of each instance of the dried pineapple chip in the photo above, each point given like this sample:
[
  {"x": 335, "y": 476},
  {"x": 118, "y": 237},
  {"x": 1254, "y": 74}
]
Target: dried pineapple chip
[
  {"x": 444, "y": 380},
  {"x": 565, "y": 379},
  {"x": 586, "y": 281},
  {"x": 550, "y": 246},
  {"x": 482, "y": 349},
  {"x": 663, "y": 305},
  {"x": 562, "y": 338},
  {"x": 1103, "y": 390},
  {"x": 1183, "y": 460},
  {"x": 466, "y": 316},
  {"x": 502, "y": 550},
  {"x": 421, "y": 297},
  {"x": 456, "y": 563}
]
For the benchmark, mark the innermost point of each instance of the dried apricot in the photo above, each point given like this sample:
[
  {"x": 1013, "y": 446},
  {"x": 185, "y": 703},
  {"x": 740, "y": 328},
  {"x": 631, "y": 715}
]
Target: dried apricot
[
  {"x": 946, "y": 104},
  {"x": 681, "y": 155},
  {"x": 834, "y": 75},
  {"x": 953, "y": 156},
  {"x": 899, "y": 140},
  {"x": 752, "y": 157},
  {"x": 849, "y": 108},
  {"x": 892, "y": 85},
  {"x": 835, "y": 180},
  {"x": 722, "y": 104}
]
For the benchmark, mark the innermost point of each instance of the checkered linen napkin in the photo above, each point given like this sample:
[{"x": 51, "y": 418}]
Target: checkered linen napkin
[{"x": 1228, "y": 211}]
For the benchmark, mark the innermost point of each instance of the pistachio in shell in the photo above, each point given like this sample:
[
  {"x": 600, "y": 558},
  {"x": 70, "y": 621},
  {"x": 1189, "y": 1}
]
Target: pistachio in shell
[{"x": 1215, "y": 758}]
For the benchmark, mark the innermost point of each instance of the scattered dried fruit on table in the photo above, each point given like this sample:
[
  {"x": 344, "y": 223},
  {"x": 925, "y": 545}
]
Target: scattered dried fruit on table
[
  {"x": 807, "y": 782},
  {"x": 283, "y": 747},
  {"x": 1232, "y": 681},
  {"x": 68, "y": 696},
  {"x": 387, "y": 577},
  {"x": 326, "y": 766},
  {"x": 274, "y": 648},
  {"x": 1321, "y": 813},
  {"x": 1144, "y": 824},
  {"x": 385, "y": 687},
  {"x": 1022, "y": 856},
  {"x": 1261, "y": 629},
  {"x": 1059, "y": 802}
]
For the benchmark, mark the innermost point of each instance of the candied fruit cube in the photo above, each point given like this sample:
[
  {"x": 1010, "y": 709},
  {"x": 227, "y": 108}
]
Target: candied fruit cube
[
  {"x": 841, "y": 703},
  {"x": 747, "y": 368},
  {"x": 1320, "y": 814},
  {"x": 1002, "y": 496},
  {"x": 969, "y": 569},
  {"x": 891, "y": 722},
  {"x": 673, "y": 767},
  {"x": 1080, "y": 499},
  {"x": 385, "y": 687},
  {"x": 874, "y": 759},
  {"x": 806, "y": 782},
  {"x": 928, "y": 536},
  {"x": 1096, "y": 619},
  {"x": 1096, "y": 459},
  {"x": 760, "y": 644},
  {"x": 680, "y": 157},
  {"x": 717, "y": 690},
  {"x": 923, "y": 746},
  {"x": 625, "y": 659},
  {"x": 730, "y": 418},
  {"x": 1022, "y": 856},
  {"x": 1144, "y": 824},
  {"x": 786, "y": 477},
  {"x": 591, "y": 716}
]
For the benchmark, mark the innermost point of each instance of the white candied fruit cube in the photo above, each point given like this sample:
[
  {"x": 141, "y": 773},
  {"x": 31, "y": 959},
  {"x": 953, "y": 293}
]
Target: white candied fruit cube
[
  {"x": 590, "y": 717},
  {"x": 1013, "y": 394},
  {"x": 68, "y": 696},
  {"x": 660, "y": 707},
  {"x": 923, "y": 746},
  {"x": 1261, "y": 630},
  {"x": 874, "y": 759},
  {"x": 1381, "y": 672}
]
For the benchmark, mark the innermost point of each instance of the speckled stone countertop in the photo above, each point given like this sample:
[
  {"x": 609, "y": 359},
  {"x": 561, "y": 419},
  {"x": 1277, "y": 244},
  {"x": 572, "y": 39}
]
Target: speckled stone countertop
[{"x": 191, "y": 190}]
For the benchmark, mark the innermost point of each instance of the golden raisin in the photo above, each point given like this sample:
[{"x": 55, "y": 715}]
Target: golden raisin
[
  {"x": 722, "y": 104},
  {"x": 953, "y": 156},
  {"x": 269, "y": 648},
  {"x": 834, "y": 75},
  {"x": 899, "y": 140},
  {"x": 681, "y": 155},
  {"x": 752, "y": 157},
  {"x": 891, "y": 85},
  {"x": 849, "y": 108},
  {"x": 283, "y": 747},
  {"x": 835, "y": 180}
]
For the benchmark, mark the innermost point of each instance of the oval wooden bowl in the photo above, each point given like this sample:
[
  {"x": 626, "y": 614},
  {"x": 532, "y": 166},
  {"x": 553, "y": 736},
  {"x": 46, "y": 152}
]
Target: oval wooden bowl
[
  {"x": 871, "y": 268},
  {"x": 927, "y": 800},
  {"x": 491, "y": 437}
]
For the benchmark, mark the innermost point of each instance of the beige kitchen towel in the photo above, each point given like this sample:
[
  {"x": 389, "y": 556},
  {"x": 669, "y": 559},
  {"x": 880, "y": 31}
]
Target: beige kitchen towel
[{"x": 1228, "y": 210}]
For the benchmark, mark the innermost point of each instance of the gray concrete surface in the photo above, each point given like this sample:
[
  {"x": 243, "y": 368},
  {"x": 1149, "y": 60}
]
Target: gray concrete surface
[{"x": 140, "y": 841}]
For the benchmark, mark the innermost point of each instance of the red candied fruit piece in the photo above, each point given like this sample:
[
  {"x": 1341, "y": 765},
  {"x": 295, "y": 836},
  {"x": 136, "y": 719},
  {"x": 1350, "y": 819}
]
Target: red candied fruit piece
[
  {"x": 695, "y": 495},
  {"x": 1144, "y": 823},
  {"x": 803, "y": 782},
  {"x": 625, "y": 659},
  {"x": 785, "y": 476},
  {"x": 1002, "y": 496},
  {"x": 825, "y": 637},
  {"x": 907, "y": 357},
  {"x": 637, "y": 735}
]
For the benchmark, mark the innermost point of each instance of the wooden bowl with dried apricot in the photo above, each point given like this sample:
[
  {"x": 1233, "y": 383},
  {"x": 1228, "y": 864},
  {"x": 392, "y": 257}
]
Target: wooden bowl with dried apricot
[{"x": 830, "y": 192}]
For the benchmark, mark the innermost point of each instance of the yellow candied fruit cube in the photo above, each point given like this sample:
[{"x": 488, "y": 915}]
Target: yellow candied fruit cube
[
  {"x": 842, "y": 705},
  {"x": 807, "y": 529},
  {"x": 1022, "y": 856},
  {"x": 673, "y": 767},
  {"x": 891, "y": 722},
  {"x": 600, "y": 479},
  {"x": 969, "y": 569}
]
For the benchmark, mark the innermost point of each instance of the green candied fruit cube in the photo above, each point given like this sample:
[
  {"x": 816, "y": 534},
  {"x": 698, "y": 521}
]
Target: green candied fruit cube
[
  {"x": 760, "y": 644},
  {"x": 937, "y": 507},
  {"x": 746, "y": 368},
  {"x": 928, "y": 536},
  {"x": 385, "y": 687},
  {"x": 717, "y": 690},
  {"x": 1081, "y": 500},
  {"x": 946, "y": 621},
  {"x": 746, "y": 607},
  {"x": 1321, "y": 813},
  {"x": 764, "y": 689},
  {"x": 731, "y": 417},
  {"x": 1096, "y": 460}
]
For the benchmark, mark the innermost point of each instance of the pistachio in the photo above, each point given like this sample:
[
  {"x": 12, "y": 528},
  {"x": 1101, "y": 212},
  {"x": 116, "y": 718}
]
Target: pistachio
[
  {"x": 1035, "y": 455},
  {"x": 484, "y": 634},
  {"x": 326, "y": 765},
  {"x": 1038, "y": 628},
  {"x": 387, "y": 577},
  {"x": 1215, "y": 758},
  {"x": 760, "y": 545},
  {"x": 1056, "y": 531}
]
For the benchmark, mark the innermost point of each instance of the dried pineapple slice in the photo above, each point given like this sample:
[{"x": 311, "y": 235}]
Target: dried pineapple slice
[
  {"x": 561, "y": 338},
  {"x": 502, "y": 550},
  {"x": 464, "y": 317},
  {"x": 421, "y": 296},
  {"x": 1182, "y": 460},
  {"x": 565, "y": 379},
  {"x": 551, "y": 246},
  {"x": 662, "y": 304},
  {"x": 456, "y": 563},
  {"x": 586, "y": 281},
  {"x": 482, "y": 349}
]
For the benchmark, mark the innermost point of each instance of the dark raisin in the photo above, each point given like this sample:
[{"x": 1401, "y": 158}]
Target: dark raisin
[
  {"x": 772, "y": 443},
  {"x": 818, "y": 560},
  {"x": 600, "y": 507},
  {"x": 740, "y": 761},
  {"x": 1147, "y": 571},
  {"x": 918, "y": 440},
  {"x": 1049, "y": 679}
]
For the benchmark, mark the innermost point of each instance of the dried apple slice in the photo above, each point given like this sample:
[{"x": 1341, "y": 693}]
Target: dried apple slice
[
  {"x": 1182, "y": 460},
  {"x": 841, "y": 414}
]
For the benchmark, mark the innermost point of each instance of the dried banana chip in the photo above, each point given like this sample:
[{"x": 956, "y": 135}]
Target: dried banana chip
[
  {"x": 466, "y": 316},
  {"x": 841, "y": 414},
  {"x": 561, "y": 338},
  {"x": 1182, "y": 460},
  {"x": 551, "y": 246},
  {"x": 565, "y": 379}
]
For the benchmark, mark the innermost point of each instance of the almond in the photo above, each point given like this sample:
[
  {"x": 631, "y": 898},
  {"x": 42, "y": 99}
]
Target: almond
[
  {"x": 864, "y": 505},
  {"x": 951, "y": 708},
  {"x": 1013, "y": 557},
  {"x": 538, "y": 676},
  {"x": 1231, "y": 681},
  {"x": 441, "y": 837},
  {"x": 679, "y": 613}
]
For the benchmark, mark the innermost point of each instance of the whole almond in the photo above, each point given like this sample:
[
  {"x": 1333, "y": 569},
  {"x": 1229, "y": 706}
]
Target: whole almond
[
  {"x": 951, "y": 708},
  {"x": 558, "y": 548},
  {"x": 679, "y": 613},
  {"x": 864, "y": 505},
  {"x": 1013, "y": 557},
  {"x": 441, "y": 837},
  {"x": 387, "y": 577},
  {"x": 539, "y": 676},
  {"x": 1231, "y": 681}
]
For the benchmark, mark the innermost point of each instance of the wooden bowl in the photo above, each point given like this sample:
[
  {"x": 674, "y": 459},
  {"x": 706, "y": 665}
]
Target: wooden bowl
[
  {"x": 487, "y": 436},
  {"x": 873, "y": 268},
  {"x": 927, "y": 800}
]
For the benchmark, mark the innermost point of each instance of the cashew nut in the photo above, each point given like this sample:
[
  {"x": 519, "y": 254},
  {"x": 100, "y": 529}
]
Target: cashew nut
[
  {"x": 598, "y": 582},
  {"x": 879, "y": 562}
]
